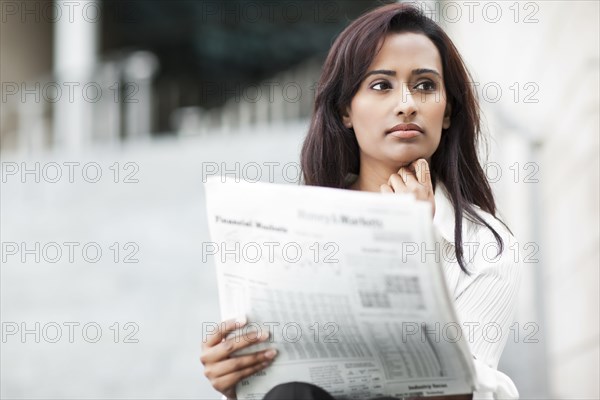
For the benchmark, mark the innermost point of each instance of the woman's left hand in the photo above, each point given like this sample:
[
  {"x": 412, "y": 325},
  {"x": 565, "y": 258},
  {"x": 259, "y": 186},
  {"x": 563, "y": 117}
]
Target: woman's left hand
[{"x": 414, "y": 178}]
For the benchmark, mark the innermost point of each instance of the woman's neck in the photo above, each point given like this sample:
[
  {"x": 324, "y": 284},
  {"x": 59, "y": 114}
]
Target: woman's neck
[{"x": 369, "y": 180}]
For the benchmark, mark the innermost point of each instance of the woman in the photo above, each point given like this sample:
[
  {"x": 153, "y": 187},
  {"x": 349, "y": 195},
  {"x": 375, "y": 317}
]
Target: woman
[{"x": 395, "y": 113}]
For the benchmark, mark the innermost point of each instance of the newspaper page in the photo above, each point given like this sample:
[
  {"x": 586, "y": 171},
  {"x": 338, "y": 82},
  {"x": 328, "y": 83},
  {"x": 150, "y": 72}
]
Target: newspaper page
[{"x": 348, "y": 284}]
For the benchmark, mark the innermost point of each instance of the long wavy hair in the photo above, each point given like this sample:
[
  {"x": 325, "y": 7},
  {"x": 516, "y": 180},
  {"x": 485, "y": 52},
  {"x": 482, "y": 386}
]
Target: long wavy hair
[{"x": 330, "y": 151}]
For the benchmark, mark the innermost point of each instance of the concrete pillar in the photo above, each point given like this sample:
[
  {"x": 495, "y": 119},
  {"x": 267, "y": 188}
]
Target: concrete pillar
[{"x": 75, "y": 57}]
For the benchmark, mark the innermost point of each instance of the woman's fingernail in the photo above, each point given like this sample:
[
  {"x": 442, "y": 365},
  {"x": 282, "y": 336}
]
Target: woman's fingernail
[
  {"x": 241, "y": 320},
  {"x": 271, "y": 353}
]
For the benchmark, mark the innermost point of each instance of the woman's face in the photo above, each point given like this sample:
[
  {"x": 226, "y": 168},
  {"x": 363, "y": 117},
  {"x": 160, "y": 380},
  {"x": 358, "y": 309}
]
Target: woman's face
[{"x": 404, "y": 85}]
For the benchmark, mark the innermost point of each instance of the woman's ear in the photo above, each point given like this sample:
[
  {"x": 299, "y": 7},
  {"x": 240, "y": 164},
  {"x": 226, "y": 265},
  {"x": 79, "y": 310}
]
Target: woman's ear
[
  {"x": 447, "y": 114},
  {"x": 346, "y": 120}
]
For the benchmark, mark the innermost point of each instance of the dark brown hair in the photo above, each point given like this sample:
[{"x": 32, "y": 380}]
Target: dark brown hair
[{"x": 330, "y": 151}]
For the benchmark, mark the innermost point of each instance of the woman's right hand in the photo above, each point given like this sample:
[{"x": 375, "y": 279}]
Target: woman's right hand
[
  {"x": 223, "y": 371},
  {"x": 415, "y": 178}
]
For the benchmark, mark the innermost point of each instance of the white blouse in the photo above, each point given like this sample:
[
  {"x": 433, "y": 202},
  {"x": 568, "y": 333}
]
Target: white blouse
[{"x": 485, "y": 300}]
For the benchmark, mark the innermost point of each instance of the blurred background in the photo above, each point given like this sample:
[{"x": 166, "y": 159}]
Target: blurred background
[{"x": 113, "y": 113}]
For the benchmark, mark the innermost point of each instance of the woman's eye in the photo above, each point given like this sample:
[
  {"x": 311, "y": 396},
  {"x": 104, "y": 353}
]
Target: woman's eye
[
  {"x": 381, "y": 86},
  {"x": 426, "y": 85}
]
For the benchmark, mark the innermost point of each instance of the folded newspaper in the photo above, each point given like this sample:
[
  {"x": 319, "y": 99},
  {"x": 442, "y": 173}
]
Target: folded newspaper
[{"x": 347, "y": 283}]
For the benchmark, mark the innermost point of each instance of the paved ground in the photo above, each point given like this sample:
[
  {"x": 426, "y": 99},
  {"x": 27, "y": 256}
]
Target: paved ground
[{"x": 165, "y": 297}]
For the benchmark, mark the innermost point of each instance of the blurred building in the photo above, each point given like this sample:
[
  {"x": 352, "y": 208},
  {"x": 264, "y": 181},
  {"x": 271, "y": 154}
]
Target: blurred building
[{"x": 93, "y": 72}]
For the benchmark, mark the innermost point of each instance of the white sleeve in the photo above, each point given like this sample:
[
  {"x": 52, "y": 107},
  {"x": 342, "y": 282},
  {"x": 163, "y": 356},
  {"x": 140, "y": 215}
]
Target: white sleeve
[
  {"x": 486, "y": 305},
  {"x": 493, "y": 384}
]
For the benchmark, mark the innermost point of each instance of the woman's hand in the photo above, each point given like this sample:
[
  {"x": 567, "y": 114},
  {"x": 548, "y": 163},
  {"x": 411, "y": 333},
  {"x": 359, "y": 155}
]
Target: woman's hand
[
  {"x": 223, "y": 371},
  {"x": 414, "y": 178}
]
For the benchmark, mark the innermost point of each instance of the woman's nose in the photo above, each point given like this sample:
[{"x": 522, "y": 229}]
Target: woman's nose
[{"x": 405, "y": 102}]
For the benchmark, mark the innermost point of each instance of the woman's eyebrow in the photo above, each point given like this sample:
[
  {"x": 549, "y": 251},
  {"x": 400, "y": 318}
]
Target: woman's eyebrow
[
  {"x": 389, "y": 72},
  {"x": 421, "y": 71}
]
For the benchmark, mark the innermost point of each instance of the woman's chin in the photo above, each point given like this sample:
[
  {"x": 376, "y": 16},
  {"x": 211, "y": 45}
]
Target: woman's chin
[{"x": 404, "y": 161}]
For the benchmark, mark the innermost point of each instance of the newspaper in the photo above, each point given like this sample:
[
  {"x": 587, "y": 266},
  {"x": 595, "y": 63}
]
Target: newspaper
[{"x": 347, "y": 283}]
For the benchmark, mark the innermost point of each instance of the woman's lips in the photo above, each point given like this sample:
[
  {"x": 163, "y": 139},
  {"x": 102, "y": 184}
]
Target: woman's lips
[
  {"x": 405, "y": 131},
  {"x": 405, "y": 134}
]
